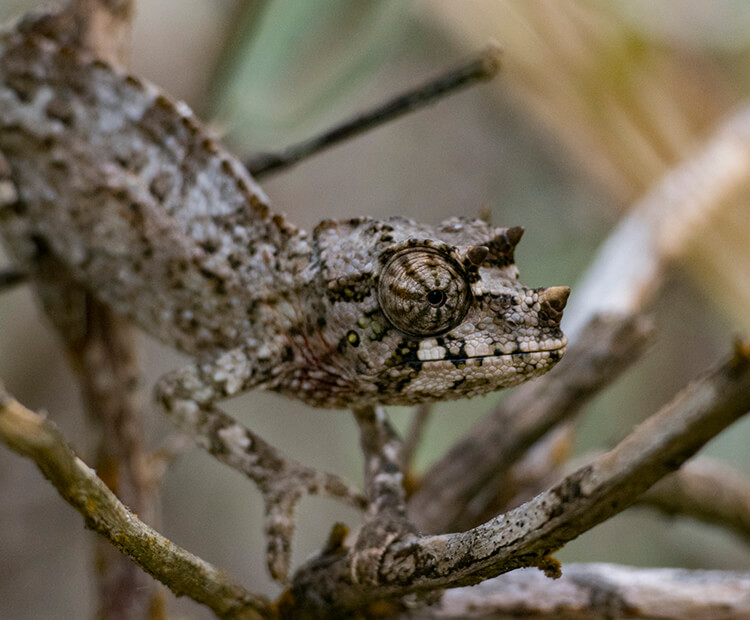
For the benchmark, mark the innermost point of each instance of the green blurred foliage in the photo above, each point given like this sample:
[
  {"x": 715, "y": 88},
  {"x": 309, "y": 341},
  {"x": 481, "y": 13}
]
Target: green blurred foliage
[{"x": 289, "y": 61}]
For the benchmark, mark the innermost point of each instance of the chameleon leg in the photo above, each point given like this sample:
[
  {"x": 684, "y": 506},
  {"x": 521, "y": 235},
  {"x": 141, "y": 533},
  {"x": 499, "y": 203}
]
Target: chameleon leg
[{"x": 188, "y": 395}]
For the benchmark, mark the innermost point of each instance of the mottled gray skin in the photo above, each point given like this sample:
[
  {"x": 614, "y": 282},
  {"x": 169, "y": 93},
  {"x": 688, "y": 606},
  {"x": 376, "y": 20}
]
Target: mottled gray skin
[
  {"x": 132, "y": 200},
  {"x": 508, "y": 334},
  {"x": 151, "y": 215}
]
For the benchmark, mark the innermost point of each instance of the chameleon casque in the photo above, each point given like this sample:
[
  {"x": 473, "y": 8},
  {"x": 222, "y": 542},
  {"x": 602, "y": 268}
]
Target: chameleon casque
[{"x": 126, "y": 191}]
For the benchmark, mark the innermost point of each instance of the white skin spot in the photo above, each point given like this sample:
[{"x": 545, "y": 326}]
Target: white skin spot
[
  {"x": 477, "y": 349},
  {"x": 235, "y": 437},
  {"x": 433, "y": 353}
]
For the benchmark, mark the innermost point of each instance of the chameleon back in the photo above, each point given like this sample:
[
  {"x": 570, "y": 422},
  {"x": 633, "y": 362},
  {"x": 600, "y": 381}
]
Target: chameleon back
[
  {"x": 140, "y": 206},
  {"x": 149, "y": 211}
]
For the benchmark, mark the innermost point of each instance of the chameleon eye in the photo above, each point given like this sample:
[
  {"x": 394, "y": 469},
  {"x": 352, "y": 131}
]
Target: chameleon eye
[{"x": 423, "y": 293}]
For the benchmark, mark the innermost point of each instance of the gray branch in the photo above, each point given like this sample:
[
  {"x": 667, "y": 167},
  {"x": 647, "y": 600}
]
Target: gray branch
[{"x": 600, "y": 592}]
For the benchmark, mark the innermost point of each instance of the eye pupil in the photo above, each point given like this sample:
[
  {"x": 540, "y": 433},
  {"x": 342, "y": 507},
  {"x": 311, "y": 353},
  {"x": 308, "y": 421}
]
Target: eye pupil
[{"x": 436, "y": 298}]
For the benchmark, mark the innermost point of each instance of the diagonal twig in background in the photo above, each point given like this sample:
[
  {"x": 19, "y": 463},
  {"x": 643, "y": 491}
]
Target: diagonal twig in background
[{"x": 479, "y": 69}]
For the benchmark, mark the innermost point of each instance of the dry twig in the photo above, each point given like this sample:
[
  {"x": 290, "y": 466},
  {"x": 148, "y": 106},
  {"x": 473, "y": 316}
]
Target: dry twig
[
  {"x": 706, "y": 490},
  {"x": 32, "y": 436},
  {"x": 601, "y": 592},
  {"x": 482, "y": 68}
]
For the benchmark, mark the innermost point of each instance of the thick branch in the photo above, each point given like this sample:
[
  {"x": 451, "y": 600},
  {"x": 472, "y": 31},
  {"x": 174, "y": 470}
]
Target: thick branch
[
  {"x": 105, "y": 356},
  {"x": 32, "y": 436},
  {"x": 600, "y": 592},
  {"x": 481, "y": 68},
  {"x": 527, "y": 535},
  {"x": 605, "y": 349}
]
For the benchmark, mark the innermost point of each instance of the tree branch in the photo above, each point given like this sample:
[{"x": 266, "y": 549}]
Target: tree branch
[
  {"x": 32, "y": 436},
  {"x": 600, "y": 592},
  {"x": 527, "y": 535},
  {"x": 631, "y": 263}
]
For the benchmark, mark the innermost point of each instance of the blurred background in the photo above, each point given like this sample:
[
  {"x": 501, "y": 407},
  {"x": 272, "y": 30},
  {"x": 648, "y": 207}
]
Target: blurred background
[{"x": 596, "y": 101}]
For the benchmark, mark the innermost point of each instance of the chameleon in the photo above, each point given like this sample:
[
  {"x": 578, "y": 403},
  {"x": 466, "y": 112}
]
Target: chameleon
[{"x": 136, "y": 202}]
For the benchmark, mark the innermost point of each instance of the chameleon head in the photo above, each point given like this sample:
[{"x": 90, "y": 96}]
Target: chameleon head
[{"x": 414, "y": 313}]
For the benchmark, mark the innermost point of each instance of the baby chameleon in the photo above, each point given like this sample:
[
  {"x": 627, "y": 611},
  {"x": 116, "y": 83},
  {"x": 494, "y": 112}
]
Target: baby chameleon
[{"x": 130, "y": 196}]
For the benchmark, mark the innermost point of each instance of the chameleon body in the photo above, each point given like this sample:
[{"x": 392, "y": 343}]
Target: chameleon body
[
  {"x": 125, "y": 187},
  {"x": 138, "y": 204}
]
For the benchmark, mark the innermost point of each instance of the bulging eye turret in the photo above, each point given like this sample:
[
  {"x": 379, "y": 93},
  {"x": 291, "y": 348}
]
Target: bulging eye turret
[{"x": 424, "y": 292}]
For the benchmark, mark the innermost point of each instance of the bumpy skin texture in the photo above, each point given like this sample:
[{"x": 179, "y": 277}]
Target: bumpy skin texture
[
  {"x": 122, "y": 193},
  {"x": 158, "y": 221},
  {"x": 370, "y": 283}
]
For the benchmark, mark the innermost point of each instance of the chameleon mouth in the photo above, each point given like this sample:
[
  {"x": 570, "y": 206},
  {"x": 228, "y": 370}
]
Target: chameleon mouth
[{"x": 552, "y": 354}]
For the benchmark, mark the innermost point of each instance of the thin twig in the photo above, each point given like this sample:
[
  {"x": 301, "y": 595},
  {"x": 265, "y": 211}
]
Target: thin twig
[
  {"x": 32, "y": 436},
  {"x": 527, "y": 535},
  {"x": 482, "y": 68},
  {"x": 11, "y": 277}
]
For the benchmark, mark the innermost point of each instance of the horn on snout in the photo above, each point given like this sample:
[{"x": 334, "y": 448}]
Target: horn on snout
[{"x": 552, "y": 300}]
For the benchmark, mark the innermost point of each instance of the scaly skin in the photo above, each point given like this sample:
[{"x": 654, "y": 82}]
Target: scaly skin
[{"x": 135, "y": 202}]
